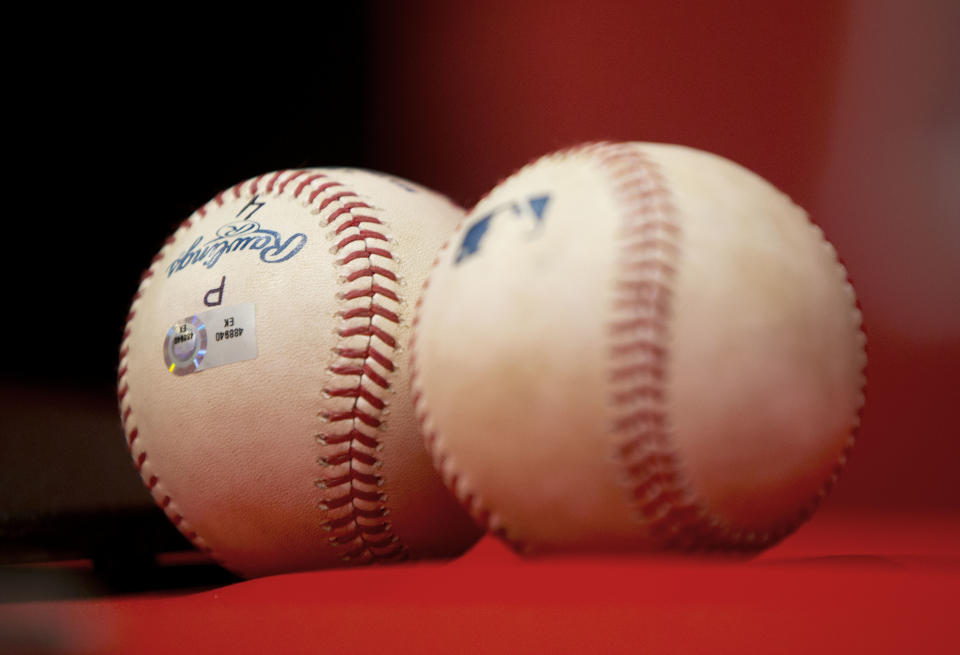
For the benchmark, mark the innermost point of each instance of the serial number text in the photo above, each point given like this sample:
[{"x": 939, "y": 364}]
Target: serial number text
[{"x": 232, "y": 333}]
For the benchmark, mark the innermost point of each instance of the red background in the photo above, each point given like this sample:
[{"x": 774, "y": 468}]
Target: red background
[{"x": 850, "y": 107}]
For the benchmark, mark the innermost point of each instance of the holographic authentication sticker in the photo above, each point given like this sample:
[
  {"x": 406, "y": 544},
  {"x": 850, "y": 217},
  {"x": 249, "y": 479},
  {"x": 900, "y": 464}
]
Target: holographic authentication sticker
[{"x": 220, "y": 336}]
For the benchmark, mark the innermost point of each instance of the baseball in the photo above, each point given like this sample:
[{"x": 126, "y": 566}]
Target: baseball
[
  {"x": 638, "y": 347},
  {"x": 263, "y": 377}
]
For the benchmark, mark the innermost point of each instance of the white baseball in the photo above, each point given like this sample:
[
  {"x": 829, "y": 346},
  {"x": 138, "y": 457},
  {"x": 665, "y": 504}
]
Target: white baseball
[
  {"x": 638, "y": 346},
  {"x": 263, "y": 378}
]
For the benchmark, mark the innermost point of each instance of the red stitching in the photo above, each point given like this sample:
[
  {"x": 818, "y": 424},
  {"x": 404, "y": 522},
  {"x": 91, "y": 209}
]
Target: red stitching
[
  {"x": 634, "y": 370},
  {"x": 656, "y": 288},
  {"x": 362, "y": 525},
  {"x": 356, "y": 222},
  {"x": 346, "y": 456},
  {"x": 642, "y": 345},
  {"x": 362, "y": 235},
  {"x": 305, "y": 182},
  {"x": 370, "y": 312},
  {"x": 373, "y": 497},
  {"x": 395, "y": 552},
  {"x": 632, "y": 445},
  {"x": 357, "y": 254},
  {"x": 375, "y": 529},
  {"x": 643, "y": 418},
  {"x": 374, "y": 290},
  {"x": 366, "y": 370},
  {"x": 631, "y": 324},
  {"x": 660, "y": 495},
  {"x": 370, "y": 271},
  {"x": 347, "y": 478},
  {"x": 369, "y": 331},
  {"x": 341, "y": 522},
  {"x": 329, "y": 199},
  {"x": 642, "y": 391},
  {"x": 283, "y": 185},
  {"x": 358, "y": 392},
  {"x": 363, "y": 353},
  {"x": 353, "y": 415},
  {"x": 649, "y": 245},
  {"x": 254, "y": 184},
  {"x": 347, "y": 209},
  {"x": 273, "y": 180},
  {"x": 375, "y": 377},
  {"x": 322, "y": 189},
  {"x": 353, "y": 435},
  {"x": 336, "y": 197}
]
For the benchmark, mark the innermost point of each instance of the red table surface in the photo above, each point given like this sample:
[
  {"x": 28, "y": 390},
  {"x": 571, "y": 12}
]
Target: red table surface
[{"x": 843, "y": 583}]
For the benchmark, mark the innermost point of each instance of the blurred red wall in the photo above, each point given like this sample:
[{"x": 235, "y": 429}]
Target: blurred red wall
[{"x": 852, "y": 108}]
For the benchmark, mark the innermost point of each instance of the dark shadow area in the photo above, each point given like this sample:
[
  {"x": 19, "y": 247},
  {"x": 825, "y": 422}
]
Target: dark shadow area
[{"x": 25, "y": 583}]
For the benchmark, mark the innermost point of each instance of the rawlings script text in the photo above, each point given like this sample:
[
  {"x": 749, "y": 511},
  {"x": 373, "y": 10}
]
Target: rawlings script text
[{"x": 237, "y": 237}]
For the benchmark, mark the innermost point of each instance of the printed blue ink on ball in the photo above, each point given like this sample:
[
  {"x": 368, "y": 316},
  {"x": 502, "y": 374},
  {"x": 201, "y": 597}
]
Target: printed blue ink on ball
[
  {"x": 237, "y": 236},
  {"x": 475, "y": 234},
  {"x": 471, "y": 240},
  {"x": 539, "y": 205}
]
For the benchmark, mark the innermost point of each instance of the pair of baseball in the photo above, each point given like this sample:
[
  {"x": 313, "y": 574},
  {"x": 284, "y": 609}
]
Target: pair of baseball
[{"x": 621, "y": 347}]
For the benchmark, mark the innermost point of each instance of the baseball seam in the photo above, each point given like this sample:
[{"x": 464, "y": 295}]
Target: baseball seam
[
  {"x": 353, "y": 504},
  {"x": 651, "y": 246},
  {"x": 353, "y": 501},
  {"x": 442, "y": 462}
]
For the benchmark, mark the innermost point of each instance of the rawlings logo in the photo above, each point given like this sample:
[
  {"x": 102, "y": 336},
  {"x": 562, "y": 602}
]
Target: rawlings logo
[{"x": 238, "y": 236}]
